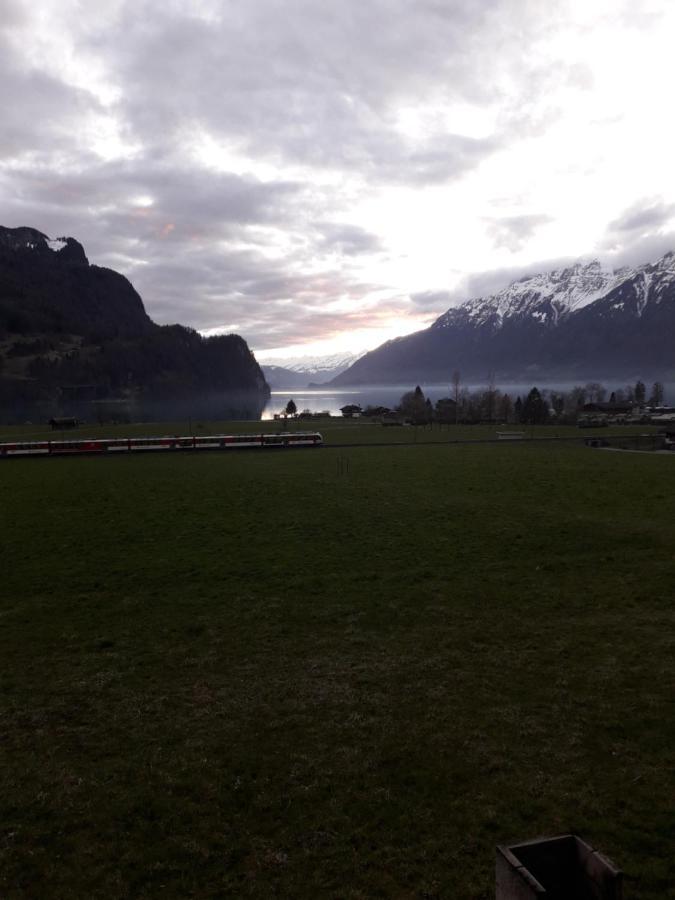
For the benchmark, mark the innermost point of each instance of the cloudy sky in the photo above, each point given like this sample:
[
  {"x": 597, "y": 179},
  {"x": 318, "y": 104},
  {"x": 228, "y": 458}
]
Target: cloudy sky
[{"x": 320, "y": 176}]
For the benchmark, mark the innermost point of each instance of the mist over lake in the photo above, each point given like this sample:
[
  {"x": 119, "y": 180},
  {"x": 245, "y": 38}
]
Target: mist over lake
[{"x": 331, "y": 399}]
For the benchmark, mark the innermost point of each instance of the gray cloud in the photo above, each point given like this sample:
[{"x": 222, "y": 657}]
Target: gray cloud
[
  {"x": 644, "y": 248},
  {"x": 513, "y": 232},
  {"x": 432, "y": 300},
  {"x": 39, "y": 112},
  {"x": 350, "y": 240},
  {"x": 307, "y": 94},
  {"x": 314, "y": 89},
  {"x": 644, "y": 216},
  {"x": 640, "y": 233},
  {"x": 313, "y": 85}
]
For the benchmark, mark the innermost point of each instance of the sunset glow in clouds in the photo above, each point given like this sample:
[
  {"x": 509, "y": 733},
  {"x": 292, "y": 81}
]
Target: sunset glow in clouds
[{"x": 332, "y": 175}]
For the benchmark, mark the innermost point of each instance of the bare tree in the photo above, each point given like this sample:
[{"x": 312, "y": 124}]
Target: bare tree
[
  {"x": 595, "y": 392},
  {"x": 491, "y": 394},
  {"x": 505, "y": 408},
  {"x": 656, "y": 398},
  {"x": 456, "y": 382}
]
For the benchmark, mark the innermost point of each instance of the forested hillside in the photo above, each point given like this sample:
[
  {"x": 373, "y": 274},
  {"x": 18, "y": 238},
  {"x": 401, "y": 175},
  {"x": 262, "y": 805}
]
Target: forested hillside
[{"x": 75, "y": 340}]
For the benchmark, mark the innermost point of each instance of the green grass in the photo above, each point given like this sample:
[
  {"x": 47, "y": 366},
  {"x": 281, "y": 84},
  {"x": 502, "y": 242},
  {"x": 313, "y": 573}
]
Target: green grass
[
  {"x": 335, "y": 673},
  {"x": 335, "y": 430}
]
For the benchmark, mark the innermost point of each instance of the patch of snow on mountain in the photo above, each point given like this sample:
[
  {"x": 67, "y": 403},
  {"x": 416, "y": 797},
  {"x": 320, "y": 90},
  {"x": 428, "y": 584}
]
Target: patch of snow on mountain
[
  {"x": 662, "y": 277},
  {"x": 650, "y": 284},
  {"x": 544, "y": 297},
  {"x": 57, "y": 244},
  {"x": 643, "y": 293},
  {"x": 313, "y": 365}
]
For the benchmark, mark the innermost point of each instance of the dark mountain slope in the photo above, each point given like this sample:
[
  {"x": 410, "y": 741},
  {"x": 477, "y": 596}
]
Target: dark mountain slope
[
  {"x": 75, "y": 339},
  {"x": 57, "y": 291}
]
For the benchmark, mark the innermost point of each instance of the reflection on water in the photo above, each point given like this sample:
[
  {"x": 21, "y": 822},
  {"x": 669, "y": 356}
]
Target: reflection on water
[{"x": 317, "y": 400}]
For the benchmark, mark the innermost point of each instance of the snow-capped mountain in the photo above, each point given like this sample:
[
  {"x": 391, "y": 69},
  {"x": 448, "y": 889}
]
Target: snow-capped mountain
[
  {"x": 314, "y": 365},
  {"x": 580, "y": 320},
  {"x": 299, "y": 371},
  {"x": 545, "y": 297}
]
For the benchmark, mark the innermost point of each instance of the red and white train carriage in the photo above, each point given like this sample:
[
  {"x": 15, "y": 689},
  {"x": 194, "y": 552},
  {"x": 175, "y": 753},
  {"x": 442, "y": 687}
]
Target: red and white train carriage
[{"x": 167, "y": 443}]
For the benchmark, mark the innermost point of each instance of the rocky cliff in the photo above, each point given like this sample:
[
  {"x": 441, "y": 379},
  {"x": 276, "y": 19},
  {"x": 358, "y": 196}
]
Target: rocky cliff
[{"x": 75, "y": 339}]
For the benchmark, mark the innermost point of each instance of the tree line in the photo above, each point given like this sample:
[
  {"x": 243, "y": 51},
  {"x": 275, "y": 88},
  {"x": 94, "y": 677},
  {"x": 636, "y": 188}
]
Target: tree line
[{"x": 491, "y": 405}]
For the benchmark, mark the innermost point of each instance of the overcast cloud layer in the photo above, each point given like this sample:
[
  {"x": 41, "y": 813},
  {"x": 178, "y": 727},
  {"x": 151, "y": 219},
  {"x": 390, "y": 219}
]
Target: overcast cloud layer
[{"x": 331, "y": 175}]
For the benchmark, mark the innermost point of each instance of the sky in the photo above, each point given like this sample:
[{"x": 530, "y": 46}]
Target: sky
[{"x": 320, "y": 177}]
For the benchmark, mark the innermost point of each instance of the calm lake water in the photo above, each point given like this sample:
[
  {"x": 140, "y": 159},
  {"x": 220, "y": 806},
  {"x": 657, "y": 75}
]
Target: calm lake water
[{"x": 331, "y": 399}]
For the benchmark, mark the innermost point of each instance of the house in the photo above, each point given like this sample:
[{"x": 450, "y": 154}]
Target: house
[
  {"x": 350, "y": 410},
  {"x": 63, "y": 422},
  {"x": 608, "y": 409}
]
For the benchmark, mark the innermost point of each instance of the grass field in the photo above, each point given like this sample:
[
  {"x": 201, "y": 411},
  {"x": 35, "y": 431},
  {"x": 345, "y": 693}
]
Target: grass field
[
  {"x": 339, "y": 673},
  {"x": 335, "y": 430}
]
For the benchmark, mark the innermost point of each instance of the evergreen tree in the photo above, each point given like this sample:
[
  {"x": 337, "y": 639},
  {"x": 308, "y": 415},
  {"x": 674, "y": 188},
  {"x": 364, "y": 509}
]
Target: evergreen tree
[
  {"x": 535, "y": 409},
  {"x": 505, "y": 408},
  {"x": 291, "y": 408},
  {"x": 640, "y": 393},
  {"x": 656, "y": 398},
  {"x": 518, "y": 410},
  {"x": 413, "y": 406}
]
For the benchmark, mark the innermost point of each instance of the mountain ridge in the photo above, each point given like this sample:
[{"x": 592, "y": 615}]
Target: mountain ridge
[
  {"x": 580, "y": 320},
  {"x": 306, "y": 371}
]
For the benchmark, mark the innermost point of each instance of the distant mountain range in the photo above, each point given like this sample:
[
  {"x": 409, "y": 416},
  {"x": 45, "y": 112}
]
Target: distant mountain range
[
  {"x": 582, "y": 321},
  {"x": 301, "y": 371},
  {"x": 75, "y": 339}
]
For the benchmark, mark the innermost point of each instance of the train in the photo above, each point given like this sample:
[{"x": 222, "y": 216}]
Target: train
[{"x": 107, "y": 446}]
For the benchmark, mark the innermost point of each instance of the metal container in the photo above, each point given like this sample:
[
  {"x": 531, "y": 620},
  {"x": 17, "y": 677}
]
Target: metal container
[{"x": 556, "y": 868}]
